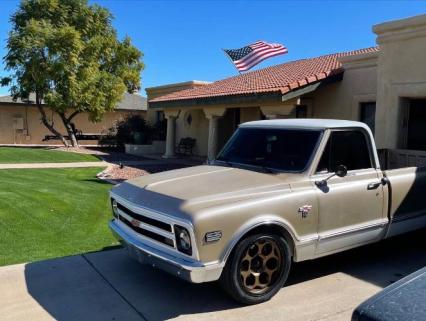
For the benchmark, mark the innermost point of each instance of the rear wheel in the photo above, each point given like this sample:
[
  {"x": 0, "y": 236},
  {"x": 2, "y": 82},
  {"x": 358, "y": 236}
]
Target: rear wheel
[{"x": 257, "y": 268}]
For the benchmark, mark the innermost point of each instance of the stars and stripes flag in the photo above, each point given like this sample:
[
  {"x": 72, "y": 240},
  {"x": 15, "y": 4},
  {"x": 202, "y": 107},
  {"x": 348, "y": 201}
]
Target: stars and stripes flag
[{"x": 249, "y": 56}]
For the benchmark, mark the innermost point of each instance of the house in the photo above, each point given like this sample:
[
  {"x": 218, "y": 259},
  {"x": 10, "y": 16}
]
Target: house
[
  {"x": 20, "y": 121},
  {"x": 383, "y": 86}
]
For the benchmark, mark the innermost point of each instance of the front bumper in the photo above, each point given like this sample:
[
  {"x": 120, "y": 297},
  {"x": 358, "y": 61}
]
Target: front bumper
[{"x": 189, "y": 270}]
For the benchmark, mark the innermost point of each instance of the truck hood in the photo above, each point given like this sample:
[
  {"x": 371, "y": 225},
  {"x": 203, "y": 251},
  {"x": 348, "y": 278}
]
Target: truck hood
[{"x": 184, "y": 191}]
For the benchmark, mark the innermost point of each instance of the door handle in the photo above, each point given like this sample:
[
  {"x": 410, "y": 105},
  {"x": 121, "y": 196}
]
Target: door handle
[{"x": 373, "y": 185}]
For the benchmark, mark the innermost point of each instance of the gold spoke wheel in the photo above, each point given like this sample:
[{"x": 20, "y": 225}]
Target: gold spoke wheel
[{"x": 260, "y": 266}]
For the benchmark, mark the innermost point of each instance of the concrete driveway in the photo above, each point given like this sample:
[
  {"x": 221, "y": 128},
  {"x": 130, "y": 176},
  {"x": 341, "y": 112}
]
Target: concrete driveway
[{"x": 110, "y": 286}]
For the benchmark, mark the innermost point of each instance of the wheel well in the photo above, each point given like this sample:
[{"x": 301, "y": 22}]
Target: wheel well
[{"x": 272, "y": 229}]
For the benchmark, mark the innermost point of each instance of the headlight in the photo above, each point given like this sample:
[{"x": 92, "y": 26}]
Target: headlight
[
  {"x": 183, "y": 240},
  {"x": 114, "y": 207}
]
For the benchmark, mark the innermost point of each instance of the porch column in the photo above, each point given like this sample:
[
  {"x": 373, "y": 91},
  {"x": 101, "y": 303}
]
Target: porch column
[
  {"x": 170, "y": 137},
  {"x": 213, "y": 115}
]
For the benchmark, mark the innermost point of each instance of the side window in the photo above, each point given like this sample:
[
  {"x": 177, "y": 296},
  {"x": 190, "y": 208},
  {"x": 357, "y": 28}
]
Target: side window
[{"x": 347, "y": 148}]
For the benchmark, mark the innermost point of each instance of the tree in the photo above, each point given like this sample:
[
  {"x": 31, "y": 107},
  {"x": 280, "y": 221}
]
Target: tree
[{"x": 69, "y": 55}]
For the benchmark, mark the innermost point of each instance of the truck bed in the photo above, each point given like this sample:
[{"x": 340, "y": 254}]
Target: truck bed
[{"x": 407, "y": 187}]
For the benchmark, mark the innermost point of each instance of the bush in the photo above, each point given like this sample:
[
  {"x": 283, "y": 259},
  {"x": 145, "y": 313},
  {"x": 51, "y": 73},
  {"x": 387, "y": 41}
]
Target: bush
[{"x": 134, "y": 130}]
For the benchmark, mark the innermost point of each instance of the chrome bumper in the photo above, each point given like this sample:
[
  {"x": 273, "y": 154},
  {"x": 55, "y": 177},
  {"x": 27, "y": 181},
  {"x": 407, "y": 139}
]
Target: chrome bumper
[{"x": 192, "y": 271}]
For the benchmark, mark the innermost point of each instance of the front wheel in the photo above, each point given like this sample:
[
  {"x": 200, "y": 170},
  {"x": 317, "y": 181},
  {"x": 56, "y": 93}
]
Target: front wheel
[{"x": 257, "y": 268}]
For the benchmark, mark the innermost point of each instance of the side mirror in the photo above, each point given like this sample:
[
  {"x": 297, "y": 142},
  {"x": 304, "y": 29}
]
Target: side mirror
[{"x": 341, "y": 171}]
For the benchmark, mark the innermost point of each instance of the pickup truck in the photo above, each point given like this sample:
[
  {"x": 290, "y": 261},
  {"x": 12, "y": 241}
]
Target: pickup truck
[
  {"x": 280, "y": 191},
  {"x": 402, "y": 301}
]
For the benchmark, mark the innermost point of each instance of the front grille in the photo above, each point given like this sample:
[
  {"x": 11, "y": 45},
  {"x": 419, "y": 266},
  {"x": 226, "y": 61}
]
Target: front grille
[
  {"x": 146, "y": 220},
  {"x": 151, "y": 235},
  {"x": 146, "y": 226}
]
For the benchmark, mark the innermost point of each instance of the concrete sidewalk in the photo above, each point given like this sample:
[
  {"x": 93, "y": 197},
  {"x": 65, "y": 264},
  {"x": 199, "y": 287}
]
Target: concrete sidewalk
[
  {"x": 54, "y": 165},
  {"x": 109, "y": 285}
]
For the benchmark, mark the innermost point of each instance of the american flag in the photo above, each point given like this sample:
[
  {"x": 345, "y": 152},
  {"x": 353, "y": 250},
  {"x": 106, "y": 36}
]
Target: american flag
[{"x": 249, "y": 56}]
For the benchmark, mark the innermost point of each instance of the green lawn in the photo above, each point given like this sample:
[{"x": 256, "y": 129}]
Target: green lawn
[
  {"x": 10, "y": 155},
  {"x": 46, "y": 213}
]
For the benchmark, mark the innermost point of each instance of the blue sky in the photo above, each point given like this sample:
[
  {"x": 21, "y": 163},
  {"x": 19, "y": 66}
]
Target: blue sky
[{"x": 182, "y": 40}]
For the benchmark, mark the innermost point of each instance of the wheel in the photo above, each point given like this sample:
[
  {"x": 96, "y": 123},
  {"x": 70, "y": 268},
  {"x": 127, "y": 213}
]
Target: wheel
[{"x": 257, "y": 269}]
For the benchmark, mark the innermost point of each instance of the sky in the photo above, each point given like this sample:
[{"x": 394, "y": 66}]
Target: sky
[{"x": 182, "y": 40}]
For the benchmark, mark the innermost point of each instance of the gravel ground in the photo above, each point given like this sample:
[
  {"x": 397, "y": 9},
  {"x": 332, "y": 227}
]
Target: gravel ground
[
  {"x": 118, "y": 174},
  {"x": 127, "y": 172}
]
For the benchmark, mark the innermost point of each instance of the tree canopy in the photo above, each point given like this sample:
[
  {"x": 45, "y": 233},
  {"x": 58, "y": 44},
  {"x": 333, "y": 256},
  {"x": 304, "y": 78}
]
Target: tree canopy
[{"x": 68, "y": 53}]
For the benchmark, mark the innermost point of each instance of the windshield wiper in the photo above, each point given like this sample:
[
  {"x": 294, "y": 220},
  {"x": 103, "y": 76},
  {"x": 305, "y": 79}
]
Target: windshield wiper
[
  {"x": 267, "y": 169},
  {"x": 224, "y": 161},
  {"x": 264, "y": 167}
]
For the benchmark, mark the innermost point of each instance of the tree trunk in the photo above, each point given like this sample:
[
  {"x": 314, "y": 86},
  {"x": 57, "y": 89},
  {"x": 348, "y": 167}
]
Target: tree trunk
[
  {"x": 70, "y": 129},
  {"x": 50, "y": 126}
]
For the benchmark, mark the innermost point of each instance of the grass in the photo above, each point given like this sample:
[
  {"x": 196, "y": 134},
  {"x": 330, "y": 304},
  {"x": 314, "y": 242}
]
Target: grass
[
  {"x": 46, "y": 213},
  {"x": 10, "y": 155}
]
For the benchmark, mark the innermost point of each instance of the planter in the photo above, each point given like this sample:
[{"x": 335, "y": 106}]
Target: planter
[{"x": 157, "y": 147}]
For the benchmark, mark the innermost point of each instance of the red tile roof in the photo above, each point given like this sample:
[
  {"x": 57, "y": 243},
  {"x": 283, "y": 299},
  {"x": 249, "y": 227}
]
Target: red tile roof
[{"x": 280, "y": 78}]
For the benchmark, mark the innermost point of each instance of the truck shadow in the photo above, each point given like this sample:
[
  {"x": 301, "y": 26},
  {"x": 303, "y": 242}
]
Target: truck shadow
[
  {"x": 380, "y": 263},
  {"x": 109, "y": 285}
]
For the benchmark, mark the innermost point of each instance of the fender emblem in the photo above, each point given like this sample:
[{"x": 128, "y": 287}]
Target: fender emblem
[{"x": 304, "y": 210}]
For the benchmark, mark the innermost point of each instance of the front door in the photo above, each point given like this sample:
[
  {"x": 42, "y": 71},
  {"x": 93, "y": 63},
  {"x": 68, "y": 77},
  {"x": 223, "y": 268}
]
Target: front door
[{"x": 350, "y": 207}]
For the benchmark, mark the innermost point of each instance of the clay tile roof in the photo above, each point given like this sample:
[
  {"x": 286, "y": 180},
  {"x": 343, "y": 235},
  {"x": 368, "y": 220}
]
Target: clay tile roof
[{"x": 280, "y": 78}]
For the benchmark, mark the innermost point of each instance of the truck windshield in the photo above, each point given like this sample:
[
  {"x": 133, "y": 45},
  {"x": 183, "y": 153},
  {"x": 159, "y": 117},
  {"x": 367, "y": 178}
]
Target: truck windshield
[{"x": 284, "y": 150}]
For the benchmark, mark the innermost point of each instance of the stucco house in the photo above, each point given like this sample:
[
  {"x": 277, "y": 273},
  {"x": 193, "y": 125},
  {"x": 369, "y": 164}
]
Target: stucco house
[
  {"x": 20, "y": 121},
  {"x": 383, "y": 86}
]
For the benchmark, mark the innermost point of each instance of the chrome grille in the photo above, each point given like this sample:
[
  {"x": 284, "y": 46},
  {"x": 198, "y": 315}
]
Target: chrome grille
[{"x": 146, "y": 226}]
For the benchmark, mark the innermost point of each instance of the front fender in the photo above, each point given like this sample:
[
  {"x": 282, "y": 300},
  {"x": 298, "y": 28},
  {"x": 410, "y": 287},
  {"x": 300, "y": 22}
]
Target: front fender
[{"x": 263, "y": 220}]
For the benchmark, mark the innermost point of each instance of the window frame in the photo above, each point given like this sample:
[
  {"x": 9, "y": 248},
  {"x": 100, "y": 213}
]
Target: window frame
[{"x": 326, "y": 138}]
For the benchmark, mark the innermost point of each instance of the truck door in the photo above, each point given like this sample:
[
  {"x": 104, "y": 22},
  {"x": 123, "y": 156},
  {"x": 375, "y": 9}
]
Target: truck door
[{"x": 350, "y": 207}]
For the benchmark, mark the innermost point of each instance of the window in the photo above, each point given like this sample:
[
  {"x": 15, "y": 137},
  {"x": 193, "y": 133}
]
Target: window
[
  {"x": 280, "y": 149},
  {"x": 368, "y": 114},
  {"x": 347, "y": 148},
  {"x": 416, "y": 134},
  {"x": 301, "y": 111}
]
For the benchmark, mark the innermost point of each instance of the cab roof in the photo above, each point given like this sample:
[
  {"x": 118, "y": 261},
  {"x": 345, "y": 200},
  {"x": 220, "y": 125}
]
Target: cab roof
[{"x": 306, "y": 123}]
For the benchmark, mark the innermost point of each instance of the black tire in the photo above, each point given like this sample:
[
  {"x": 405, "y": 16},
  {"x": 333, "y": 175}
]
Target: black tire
[{"x": 243, "y": 281}]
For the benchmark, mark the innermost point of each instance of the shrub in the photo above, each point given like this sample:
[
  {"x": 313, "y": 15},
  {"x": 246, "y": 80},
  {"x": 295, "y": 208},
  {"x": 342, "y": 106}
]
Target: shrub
[{"x": 133, "y": 130}]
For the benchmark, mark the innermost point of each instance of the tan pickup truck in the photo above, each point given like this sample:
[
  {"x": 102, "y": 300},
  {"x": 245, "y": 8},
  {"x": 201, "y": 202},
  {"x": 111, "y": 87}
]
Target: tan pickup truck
[{"x": 279, "y": 191}]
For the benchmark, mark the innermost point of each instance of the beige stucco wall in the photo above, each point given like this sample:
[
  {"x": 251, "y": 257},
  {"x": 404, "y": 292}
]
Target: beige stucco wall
[
  {"x": 341, "y": 100},
  {"x": 199, "y": 129},
  {"x": 34, "y": 131},
  {"x": 401, "y": 74},
  {"x": 250, "y": 114}
]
